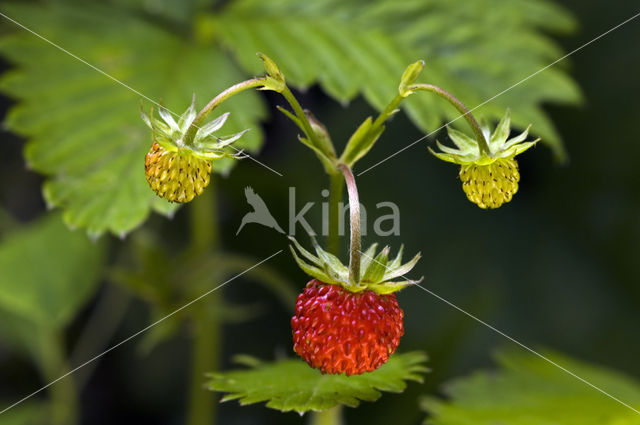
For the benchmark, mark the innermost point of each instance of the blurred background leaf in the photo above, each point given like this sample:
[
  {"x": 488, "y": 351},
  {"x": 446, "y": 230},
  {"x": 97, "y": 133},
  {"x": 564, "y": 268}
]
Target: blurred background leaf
[
  {"x": 85, "y": 130},
  {"x": 528, "y": 390},
  {"x": 85, "y": 133},
  {"x": 29, "y": 413},
  {"x": 48, "y": 272},
  {"x": 362, "y": 47}
]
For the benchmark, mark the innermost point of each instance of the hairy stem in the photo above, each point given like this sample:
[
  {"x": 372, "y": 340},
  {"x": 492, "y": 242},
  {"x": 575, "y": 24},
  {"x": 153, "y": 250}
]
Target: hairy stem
[
  {"x": 354, "y": 213},
  {"x": 207, "y": 328},
  {"x": 466, "y": 113},
  {"x": 202, "y": 115},
  {"x": 336, "y": 185}
]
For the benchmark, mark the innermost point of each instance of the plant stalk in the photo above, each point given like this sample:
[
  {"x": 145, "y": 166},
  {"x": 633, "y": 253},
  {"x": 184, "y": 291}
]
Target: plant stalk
[
  {"x": 466, "y": 113},
  {"x": 336, "y": 185},
  {"x": 354, "y": 213},
  {"x": 306, "y": 125},
  {"x": 387, "y": 113},
  {"x": 331, "y": 416},
  {"x": 207, "y": 328},
  {"x": 64, "y": 394},
  {"x": 226, "y": 94}
]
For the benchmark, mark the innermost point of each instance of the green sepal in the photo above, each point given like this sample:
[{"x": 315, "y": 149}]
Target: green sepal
[
  {"x": 275, "y": 79},
  {"x": 360, "y": 142},
  {"x": 391, "y": 287},
  {"x": 322, "y": 135},
  {"x": 377, "y": 267},
  {"x": 312, "y": 271},
  {"x": 401, "y": 269},
  {"x": 327, "y": 163},
  {"x": 291, "y": 116},
  {"x": 409, "y": 76},
  {"x": 468, "y": 151},
  {"x": 378, "y": 270},
  {"x": 367, "y": 256}
]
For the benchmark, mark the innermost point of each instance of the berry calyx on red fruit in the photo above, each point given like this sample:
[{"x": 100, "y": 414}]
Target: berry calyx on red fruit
[
  {"x": 179, "y": 170},
  {"x": 342, "y": 326}
]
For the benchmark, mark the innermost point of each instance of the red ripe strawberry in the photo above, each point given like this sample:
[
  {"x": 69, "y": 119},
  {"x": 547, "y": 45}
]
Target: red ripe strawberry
[
  {"x": 336, "y": 331},
  {"x": 346, "y": 326}
]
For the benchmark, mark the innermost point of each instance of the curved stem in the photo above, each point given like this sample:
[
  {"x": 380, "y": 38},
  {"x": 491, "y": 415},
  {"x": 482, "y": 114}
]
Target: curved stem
[
  {"x": 466, "y": 113},
  {"x": 202, "y": 115},
  {"x": 354, "y": 213}
]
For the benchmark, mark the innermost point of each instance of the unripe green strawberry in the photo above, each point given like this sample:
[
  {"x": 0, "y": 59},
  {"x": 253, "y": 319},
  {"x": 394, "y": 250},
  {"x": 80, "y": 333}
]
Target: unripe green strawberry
[
  {"x": 489, "y": 179},
  {"x": 178, "y": 169},
  {"x": 338, "y": 331},
  {"x": 346, "y": 326},
  {"x": 177, "y": 176},
  {"x": 490, "y": 186}
]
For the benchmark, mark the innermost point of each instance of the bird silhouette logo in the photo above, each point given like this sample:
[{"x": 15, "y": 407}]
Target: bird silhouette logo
[{"x": 260, "y": 213}]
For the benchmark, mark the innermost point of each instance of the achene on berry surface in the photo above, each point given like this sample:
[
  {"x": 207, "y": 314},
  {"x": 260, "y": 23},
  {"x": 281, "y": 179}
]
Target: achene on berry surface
[{"x": 338, "y": 331}]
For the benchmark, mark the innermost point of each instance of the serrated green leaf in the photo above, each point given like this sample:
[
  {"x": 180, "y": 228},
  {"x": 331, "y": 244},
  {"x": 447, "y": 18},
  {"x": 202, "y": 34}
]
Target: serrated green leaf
[
  {"x": 475, "y": 49},
  {"x": 85, "y": 138},
  {"x": 528, "y": 390},
  {"x": 291, "y": 385},
  {"x": 67, "y": 272},
  {"x": 83, "y": 129}
]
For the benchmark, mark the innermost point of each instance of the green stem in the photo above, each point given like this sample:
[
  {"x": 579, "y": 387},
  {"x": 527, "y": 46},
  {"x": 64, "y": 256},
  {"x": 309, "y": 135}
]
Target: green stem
[
  {"x": 331, "y": 416},
  {"x": 202, "y": 115},
  {"x": 64, "y": 395},
  {"x": 207, "y": 328},
  {"x": 374, "y": 130},
  {"x": 354, "y": 213},
  {"x": 304, "y": 120},
  {"x": 466, "y": 113},
  {"x": 98, "y": 331},
  {"x": 336, "y": 185},
  {"x": 391, "y": 109}
]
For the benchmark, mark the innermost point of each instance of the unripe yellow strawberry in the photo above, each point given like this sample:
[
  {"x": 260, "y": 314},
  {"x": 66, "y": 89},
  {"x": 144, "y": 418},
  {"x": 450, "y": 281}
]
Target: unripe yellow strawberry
[
  {"x": 178, "y": 169},
  {"x": 177, "y": 176},
  {"x": 489, "y": 179},
  {"x": 490, "y": 186}
]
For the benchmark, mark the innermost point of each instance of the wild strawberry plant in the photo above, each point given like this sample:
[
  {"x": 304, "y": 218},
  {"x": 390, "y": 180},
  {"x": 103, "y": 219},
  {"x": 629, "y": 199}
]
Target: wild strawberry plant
[{"x": 93, "y": 150}]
